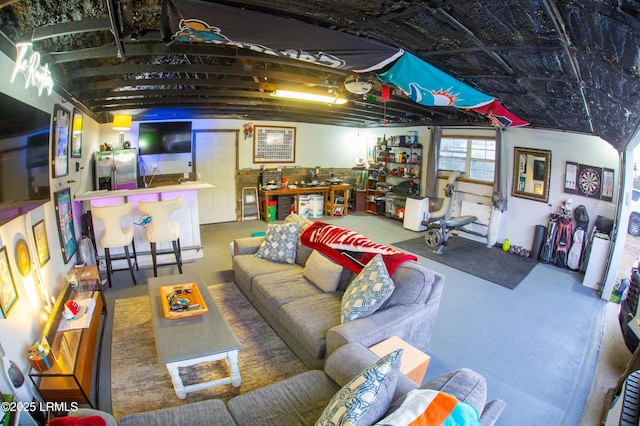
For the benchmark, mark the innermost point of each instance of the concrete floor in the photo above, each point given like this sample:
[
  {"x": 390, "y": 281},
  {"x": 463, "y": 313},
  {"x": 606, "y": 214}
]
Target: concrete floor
[{"x": 550, "y": 348}]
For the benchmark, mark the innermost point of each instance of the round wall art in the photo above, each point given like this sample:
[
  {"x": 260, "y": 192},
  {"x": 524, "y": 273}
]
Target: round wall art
[{"x": 23, "y": 259}]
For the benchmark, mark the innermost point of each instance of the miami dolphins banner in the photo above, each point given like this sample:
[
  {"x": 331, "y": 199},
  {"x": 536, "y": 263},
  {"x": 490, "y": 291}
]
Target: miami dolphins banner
[
  {"x": 499, "y": 116},
  {"x": 427, "y": 85},
  {"x": 203, "y": 22}
]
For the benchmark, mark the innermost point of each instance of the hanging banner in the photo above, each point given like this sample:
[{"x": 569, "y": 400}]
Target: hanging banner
[
  {"x": 499, "y": 116},
  {"x": 203, "y": 22},
  {"x": 427, "y": 85}
]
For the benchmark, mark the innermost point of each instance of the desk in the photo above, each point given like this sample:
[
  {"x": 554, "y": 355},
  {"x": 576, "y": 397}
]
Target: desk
[
  {"x": 267, "y": 195},
  {"x": 70, "y": 379}
]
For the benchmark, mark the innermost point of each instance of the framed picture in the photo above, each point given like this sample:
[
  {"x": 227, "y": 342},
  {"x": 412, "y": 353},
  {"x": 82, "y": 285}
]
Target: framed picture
[
  {"x": 23, "y": 258},
  {"x": 8, "y": 292},
  {"x": 42, "y": 244},
  {"x": 60, "y": 144},
  {"x": 272, "y": 144},
  {"x": 66, "y": 231},
  {"x": 76, "y": 134}
]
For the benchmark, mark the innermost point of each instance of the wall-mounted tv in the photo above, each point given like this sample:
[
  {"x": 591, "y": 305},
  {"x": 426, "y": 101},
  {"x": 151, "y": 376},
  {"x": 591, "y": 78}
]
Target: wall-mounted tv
[
  {"x": 164, "y": 137},
  {"x": 24, "y": 158}
]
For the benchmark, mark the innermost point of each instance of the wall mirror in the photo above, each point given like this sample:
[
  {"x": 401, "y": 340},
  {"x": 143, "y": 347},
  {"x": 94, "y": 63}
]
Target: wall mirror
[{"x": 531, "y": 173}]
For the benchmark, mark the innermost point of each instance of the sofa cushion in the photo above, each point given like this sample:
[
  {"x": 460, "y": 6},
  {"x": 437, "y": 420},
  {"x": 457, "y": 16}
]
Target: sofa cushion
[
  {"x": 246, "y": 267},
  {"x": 302, "y": 253},
  {"x": 297, "y": 400},
  {"x": 203, "y": 413},
  {"x": 280, "y": 243},
  {"x": 367, "y": 292},
  {"x": 432, "y": 407},
  {"x": 367, "y": 396},
  {"x": 309, "y": 318},
  {"x": 323, "y": 272},
  {"x": 274, "y": 290},
  {"x": 414, "y": 284}
]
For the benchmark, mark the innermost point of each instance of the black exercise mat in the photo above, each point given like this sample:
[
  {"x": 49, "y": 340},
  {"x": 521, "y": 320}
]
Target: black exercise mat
[{"x": 489, "y": 263}]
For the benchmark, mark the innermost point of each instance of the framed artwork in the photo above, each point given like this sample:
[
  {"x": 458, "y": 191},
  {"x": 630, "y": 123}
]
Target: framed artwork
[
  {"x": 66, "y": 231},
  {"x": 23, "y": 258},
  {"x": 60, "y": 144},
  {"x": 8, "y": 292},
  {"x": 76, "y": 134},
  {"x": 273, "y": 144},
  {"x": 42, "y": 245}
]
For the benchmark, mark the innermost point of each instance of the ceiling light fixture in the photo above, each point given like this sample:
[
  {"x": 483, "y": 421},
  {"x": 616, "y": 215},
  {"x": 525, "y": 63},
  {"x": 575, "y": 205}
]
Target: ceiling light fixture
[
  {"x": 357, "y": 85},
  {"x": 303, "y": 96}
]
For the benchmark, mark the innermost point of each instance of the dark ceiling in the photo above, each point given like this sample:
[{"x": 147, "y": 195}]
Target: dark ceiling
[{"x": 558, "y": 64}]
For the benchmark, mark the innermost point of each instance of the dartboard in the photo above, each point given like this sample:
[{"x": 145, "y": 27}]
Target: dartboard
[{"x": 589, "y": 181}]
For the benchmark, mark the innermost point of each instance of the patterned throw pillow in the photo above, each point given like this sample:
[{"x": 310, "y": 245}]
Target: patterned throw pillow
[
  {"x": 368, "y": 291},
  {"x": 366, "y": 397},
  {"x": 431, "y": 407},
  {"x": 279, "y": 243}
]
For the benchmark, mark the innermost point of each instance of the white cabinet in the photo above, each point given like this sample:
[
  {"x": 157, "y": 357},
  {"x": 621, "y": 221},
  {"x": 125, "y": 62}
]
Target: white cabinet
[{"x": 596, "y": 260}]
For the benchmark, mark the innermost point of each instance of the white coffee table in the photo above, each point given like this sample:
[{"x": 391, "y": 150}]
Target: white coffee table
[{"x": 193, "y": 340}]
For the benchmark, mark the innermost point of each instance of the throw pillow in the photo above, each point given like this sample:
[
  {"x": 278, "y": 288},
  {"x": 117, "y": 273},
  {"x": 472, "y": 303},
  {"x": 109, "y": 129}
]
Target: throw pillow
[
  {"x": 366, "y": 397},
  {"x": 279, "y": 243},
  {"x": 431, "y": 407},
  {"x": 322, "y": 272},
  {"x": 368, "y": 291},
  {"x": 302, "y": 221}
]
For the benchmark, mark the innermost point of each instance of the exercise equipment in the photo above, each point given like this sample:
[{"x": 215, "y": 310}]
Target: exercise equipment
[{"x": 439, "y": 223}]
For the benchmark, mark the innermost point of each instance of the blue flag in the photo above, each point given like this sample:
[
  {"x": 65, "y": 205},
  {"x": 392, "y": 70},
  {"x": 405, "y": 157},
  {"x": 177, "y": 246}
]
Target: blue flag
[{"x": 427, "y": 85}]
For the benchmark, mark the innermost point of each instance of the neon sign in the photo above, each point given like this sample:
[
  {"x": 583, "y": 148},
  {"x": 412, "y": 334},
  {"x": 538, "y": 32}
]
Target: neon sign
[{"x": 28, "y": 64}]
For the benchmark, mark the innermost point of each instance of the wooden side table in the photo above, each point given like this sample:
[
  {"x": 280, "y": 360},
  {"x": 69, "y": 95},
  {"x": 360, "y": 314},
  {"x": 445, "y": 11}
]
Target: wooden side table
[{"x": 413, "y": 363}]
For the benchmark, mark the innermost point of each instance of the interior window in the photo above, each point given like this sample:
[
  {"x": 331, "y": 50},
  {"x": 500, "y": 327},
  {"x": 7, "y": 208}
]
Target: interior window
[{"x": 475, "y": 157}]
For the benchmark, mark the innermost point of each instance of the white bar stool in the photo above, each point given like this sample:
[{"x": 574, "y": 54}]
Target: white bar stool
[
  {"x": 161, "y": 229},
  {"x": 115, "y": 235}
]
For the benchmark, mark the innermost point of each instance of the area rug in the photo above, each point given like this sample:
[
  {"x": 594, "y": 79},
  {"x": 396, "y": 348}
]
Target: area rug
[
  {"x": 489, "y": 263},
  {"x": 140, "y": 383}
]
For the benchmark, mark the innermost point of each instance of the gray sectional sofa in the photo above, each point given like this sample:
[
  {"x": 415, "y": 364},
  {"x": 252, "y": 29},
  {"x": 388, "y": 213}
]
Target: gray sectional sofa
[
  {"x": 307, "y": 317},
  {"x": 301, "y": 399}
]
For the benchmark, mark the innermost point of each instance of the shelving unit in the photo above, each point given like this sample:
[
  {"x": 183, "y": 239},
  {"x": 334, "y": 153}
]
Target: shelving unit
[
  {"x": 337, "y": 203},
  {"x": 372, "y": 191},
  {"x": 401, "y": 163}
]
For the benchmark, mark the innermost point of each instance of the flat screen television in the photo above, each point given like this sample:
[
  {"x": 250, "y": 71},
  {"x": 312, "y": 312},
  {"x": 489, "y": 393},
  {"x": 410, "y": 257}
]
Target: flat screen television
[
  {"x": 24, "y": 158},
  {"x": 164, "y": 137}
]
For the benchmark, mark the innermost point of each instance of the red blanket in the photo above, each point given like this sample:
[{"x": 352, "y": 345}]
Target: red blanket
[{"x": 350, "y": 249}]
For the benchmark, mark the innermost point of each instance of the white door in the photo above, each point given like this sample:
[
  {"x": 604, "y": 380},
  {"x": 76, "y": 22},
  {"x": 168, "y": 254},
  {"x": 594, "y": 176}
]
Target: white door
[{"x": 216, "y": 164}]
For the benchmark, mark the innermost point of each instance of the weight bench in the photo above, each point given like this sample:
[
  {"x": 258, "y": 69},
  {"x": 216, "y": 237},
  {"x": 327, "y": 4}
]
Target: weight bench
[{"x": 440, "y": 229}]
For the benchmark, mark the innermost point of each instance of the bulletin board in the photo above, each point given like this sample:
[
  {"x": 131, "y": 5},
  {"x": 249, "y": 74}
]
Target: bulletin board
[{"x": 272, "y": 144}]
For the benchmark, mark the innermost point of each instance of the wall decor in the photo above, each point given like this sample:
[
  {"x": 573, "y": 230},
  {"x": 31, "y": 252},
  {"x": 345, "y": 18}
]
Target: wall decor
[
  {"x": 531, "y": 174},
  {"x": 8, "y": 292},
  {"x": 589, "y": 181},
  {"x": 60, "y": 144},
  {"x": 23, "y": 258},
  {"x": 42, "y": 244},
  {"x": 76, "y": 134},
  {"x": 66, "y": 231},
  {"x": 273, "y": 144}
]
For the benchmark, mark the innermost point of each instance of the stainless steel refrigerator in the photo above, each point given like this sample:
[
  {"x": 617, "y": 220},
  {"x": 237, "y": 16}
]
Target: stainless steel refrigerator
[{"x": 116, "y": 169}]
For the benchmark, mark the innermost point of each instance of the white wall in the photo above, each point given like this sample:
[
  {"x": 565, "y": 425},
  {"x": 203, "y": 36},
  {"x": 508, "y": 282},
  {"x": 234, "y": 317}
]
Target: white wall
[
  {"x": 24, "y": 324},
  {"x": 518, "y": 223}
]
